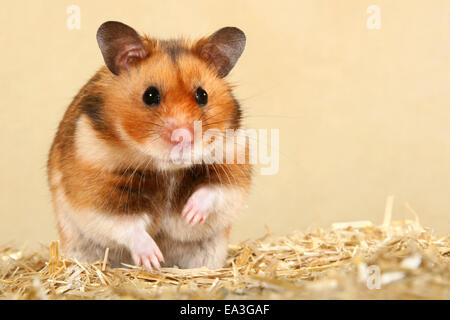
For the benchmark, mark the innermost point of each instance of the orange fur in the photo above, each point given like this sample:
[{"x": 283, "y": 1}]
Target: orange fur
[{"x": 106, "y": 156}]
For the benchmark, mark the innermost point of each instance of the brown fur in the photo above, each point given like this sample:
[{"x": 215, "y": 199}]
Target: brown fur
[{"x": 123, "y": 181}]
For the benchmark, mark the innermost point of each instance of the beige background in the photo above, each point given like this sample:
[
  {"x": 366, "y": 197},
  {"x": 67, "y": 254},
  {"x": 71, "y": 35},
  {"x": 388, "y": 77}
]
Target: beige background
[{"x": 362, "y": 114}]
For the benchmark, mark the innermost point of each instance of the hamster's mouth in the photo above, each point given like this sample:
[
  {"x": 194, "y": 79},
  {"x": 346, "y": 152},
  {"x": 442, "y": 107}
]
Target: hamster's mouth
[
  {"x": 168, "y": 156},
  {"x": 173, "y": 158},
  {"x": 172, "y": 163}
]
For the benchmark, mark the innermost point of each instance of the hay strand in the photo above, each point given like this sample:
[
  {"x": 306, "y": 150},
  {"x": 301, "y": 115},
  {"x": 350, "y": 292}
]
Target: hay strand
[{"x": 352, "y": 260}]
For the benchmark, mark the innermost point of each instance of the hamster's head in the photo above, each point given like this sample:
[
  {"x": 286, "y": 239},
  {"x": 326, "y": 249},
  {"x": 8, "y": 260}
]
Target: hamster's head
[{"x": 160, "y": 93}]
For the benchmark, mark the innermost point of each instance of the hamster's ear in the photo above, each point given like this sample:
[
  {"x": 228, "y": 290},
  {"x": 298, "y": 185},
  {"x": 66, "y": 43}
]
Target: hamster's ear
[
  {"x": 222, "y": 49},
  {"x": 121, "y": 46}
]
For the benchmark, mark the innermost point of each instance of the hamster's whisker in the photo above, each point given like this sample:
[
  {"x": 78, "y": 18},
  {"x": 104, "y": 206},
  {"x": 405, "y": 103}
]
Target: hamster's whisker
[
  {"x": 217, "y": 173},
  {"x": 163, "y": 122},
  {"x": 147, "y": 134},
  {"x": 114, "y": 187},
  {"x": 210, "y": 117},
  {"x": 149, "y": 122},
  {"x": 225, "y": 171},
  {"x": 216, "y": 122},
  {"x": 132, "y": 164}
]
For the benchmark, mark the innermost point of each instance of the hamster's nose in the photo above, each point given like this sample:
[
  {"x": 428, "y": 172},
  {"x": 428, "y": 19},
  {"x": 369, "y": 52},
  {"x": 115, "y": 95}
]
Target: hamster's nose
[{"x": 176, "y": 131}]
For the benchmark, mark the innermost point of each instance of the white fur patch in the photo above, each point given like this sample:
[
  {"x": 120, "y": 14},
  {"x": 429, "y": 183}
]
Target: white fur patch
[
  {"x": 56, "y": 178},
  {"x": 104, "y": 229},
  {"x": 93, "y": 150}
]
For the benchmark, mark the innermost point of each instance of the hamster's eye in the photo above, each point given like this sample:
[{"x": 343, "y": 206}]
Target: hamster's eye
[
  {"x": 151, "y": 97},
  {"x": 201, "y": 97}
]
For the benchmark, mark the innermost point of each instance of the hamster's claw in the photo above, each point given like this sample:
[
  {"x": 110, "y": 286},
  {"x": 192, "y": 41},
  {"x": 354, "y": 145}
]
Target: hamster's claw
[
  {"x": 148, "y": 256},
  {"x": 148, "y": 261},
  {"x": 194, "y": 216},
  {"x": 199, "y": 205}
]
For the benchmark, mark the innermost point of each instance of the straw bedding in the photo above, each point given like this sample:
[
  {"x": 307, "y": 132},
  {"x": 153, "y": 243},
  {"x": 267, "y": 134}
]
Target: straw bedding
[{"x": 398, "y": 260}]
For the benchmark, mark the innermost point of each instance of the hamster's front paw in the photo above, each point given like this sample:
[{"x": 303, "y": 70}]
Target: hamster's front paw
[
  {"x": 199, "y": 205},
  {"x": 146, "y": 252}
]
